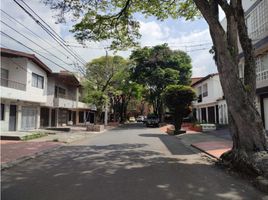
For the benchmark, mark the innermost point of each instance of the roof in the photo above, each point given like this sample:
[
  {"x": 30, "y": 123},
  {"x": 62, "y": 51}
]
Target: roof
[
  {"x": 203, "y": 79},
  {"x": 195, "y": 79},
  {"x": 13, "y": 53},
  {"x": 66, "y": 78}
]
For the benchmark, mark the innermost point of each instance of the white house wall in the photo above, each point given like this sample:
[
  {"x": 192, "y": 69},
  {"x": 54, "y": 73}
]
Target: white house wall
[{"x": 22, "y": 73}]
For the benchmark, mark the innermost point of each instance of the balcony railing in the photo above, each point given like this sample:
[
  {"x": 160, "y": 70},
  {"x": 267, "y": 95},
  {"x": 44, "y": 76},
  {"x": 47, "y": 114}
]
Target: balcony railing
[
  {"x": 260, "y": 33},
  {"x": 13, "y": 84},
  {"x": 262, "y": 75}
]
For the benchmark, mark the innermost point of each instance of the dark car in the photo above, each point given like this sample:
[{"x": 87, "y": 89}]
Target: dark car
[{"x": 152, "y": 120}]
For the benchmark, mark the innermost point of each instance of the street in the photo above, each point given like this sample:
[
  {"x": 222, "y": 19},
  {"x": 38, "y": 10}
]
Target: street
[{"x": 127, "y": 163}]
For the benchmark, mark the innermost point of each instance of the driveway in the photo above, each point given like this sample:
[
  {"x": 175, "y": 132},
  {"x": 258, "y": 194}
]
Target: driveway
[{"x": 127, "y": 163}]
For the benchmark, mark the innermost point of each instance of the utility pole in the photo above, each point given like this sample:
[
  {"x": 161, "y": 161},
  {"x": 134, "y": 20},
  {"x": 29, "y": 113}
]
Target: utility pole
[{"x": 106, "y": 104}]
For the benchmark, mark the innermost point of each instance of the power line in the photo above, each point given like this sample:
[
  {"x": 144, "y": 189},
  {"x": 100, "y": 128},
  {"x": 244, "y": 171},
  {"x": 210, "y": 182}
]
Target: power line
[
  {"x": 6, "y": 35},
  {"x": 10, "y": 17},
  {"x": 55, "y": 33},
  {"x": 34, "y": 43},
  {"x": 59, "y": 41}
]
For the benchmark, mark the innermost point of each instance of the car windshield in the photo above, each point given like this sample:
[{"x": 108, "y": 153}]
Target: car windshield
[{"x": 152, "y": 117}]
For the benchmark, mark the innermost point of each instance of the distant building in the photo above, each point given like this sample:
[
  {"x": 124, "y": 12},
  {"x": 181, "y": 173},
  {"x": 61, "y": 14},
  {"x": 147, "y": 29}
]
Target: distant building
[{"x": 210, "y": 106}]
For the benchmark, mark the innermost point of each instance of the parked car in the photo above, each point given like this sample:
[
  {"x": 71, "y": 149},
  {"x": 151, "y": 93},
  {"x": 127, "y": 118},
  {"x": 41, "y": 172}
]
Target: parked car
[
  {"x": 152, "y": 120},
  {"x": 131, "y": 119},
  {"x": 140, "y": 118}
]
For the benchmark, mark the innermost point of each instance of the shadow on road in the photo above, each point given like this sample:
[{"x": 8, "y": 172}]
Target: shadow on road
[
  {"x": 118, "y": 172},
  {"x": 175, "y": 146}
]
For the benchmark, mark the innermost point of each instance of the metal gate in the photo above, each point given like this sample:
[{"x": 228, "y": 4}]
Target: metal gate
[{"x": 28, "y": 118}]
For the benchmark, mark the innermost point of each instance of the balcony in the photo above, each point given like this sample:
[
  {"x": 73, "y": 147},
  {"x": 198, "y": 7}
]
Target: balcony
[
  {"x": 13, "y": 84},
  {"x": 64, "y": 103},
  {"x": 262, "y": 78}
]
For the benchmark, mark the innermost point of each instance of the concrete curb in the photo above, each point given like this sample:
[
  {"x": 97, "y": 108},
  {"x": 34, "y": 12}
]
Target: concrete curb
[
  {"x": 13, "y": 163},
  {"x": 202, "y": 150}
]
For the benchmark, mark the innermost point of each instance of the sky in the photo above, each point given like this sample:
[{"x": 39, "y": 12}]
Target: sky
[{"x": 190, "y": 36}]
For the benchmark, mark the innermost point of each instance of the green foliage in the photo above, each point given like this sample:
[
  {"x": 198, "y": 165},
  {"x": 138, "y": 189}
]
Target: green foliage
[
  {"x": 104, "y": 74},
  {"x": 114, "y": 19},
  {"x": 178, "y": 99},
  {"x": 34, "y": 136},
  {"x": 178, "y": 96},
  {"x": 158, "y": 67}
]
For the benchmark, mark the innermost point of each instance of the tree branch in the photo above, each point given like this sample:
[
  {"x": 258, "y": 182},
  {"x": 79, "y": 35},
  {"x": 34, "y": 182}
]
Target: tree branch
[{"x": 225, "y": 6}]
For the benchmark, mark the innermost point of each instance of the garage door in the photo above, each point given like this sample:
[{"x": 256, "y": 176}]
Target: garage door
[
  {"x": 28, "y": 118},
  {"x": 265, "y": 105}
]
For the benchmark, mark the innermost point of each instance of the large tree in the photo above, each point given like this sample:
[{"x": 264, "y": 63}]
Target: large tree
[
  {"x": 114, "y": 19},
  {"x": 158, "y": 67},
  {"x": 102, "y": 75}
]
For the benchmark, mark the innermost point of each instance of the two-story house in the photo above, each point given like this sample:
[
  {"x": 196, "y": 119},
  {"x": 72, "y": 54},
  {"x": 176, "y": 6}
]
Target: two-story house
[
  {"x": 23, "y": 90},
  {"x": 256, "y": 15},
  {"x": 32, "y": 96},
  {"x": 64, "y": 105},
  {"x": 210, "y": 106}
]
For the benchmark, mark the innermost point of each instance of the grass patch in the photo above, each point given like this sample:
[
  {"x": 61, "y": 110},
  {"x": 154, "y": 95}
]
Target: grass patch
[{"x": 34, "y": 136}]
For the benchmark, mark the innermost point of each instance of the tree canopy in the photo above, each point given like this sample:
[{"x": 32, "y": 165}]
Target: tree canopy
[
  {"x": 102, "y": 75},
  {"x": 178, "y": 99},
  {"x": 158, "y": 67}
]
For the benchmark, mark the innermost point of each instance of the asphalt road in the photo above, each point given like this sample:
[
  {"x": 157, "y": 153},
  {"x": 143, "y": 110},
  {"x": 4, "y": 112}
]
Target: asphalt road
[{"x": 127, "y": 163}]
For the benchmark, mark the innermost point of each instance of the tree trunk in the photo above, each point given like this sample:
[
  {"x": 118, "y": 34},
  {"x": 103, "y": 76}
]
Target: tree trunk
[
  {"x": 246, "y": 126},
  {"x": 98, "y": 116},
  {"x": 177, "y": 121}
]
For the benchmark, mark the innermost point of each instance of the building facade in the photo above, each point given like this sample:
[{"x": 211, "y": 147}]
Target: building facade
[
  {"x": 23, "y": 90},
  {"x": 256, "y": 15},
  {"x": 64, "y": 106},
  {"x": 210, "y": 106},
  {"x": 33, "y": 97}
]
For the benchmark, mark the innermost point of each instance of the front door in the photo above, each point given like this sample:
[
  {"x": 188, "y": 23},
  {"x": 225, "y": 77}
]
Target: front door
[
  {"x": 12, "y": 117},
  {"x": 74, "y": 117}
]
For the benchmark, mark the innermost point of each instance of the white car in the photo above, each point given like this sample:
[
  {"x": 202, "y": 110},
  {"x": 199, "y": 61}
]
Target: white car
[
  {"x": 132, "y": 119},
  {"x": 140, "y": 118}
]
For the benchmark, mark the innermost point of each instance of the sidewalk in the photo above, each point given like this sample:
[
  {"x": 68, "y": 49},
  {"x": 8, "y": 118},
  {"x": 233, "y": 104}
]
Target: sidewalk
[
  {"x": 13, "y": 152},
  {"x": 16, "y": 151},
  {"x": 213, "y": 143}
]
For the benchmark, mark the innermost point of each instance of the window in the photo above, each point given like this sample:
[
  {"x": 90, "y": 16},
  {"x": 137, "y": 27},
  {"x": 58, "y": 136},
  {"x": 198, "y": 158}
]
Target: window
[
  {"x": 262, "y": 68},
  {"x": 257, "y": 21},
  {"x": 37, "y": 81},
  {"x": 2, "y": 111},
  {"x": 205, "y": 90},
  {"x": 4, "y": 77},
  {"x": 199, "y": 94},
  {"x": 60, "y": 92}
]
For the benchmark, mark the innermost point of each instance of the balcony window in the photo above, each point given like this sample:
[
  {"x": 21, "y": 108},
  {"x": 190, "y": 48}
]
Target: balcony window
[
  {"x": 257, "y": 21},
  {"x": 37, "y": 81},
  {"x": 4, "y": 77},
  {"x": 262, "y": 68},
  {"x": 60, "y": 92},
  {"x": 205, "y": 90}
]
